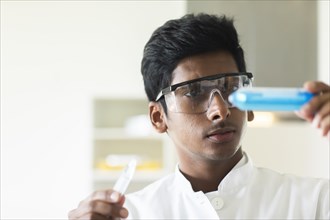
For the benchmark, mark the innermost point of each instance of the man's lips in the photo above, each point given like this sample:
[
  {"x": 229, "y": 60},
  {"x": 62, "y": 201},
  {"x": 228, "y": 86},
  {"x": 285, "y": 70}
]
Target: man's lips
[{"x": 221, "y": 135}]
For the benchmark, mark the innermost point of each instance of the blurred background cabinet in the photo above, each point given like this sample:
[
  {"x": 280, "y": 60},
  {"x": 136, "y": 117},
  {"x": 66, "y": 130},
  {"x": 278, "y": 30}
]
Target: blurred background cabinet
[{"x": 122, "y": 131}]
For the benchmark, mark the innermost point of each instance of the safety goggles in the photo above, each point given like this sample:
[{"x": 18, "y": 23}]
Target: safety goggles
[{"x": 195, "y": 96}]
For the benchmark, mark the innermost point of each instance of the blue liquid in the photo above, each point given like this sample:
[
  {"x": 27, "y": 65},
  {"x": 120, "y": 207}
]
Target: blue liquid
[{"x": 270, "y": 99}]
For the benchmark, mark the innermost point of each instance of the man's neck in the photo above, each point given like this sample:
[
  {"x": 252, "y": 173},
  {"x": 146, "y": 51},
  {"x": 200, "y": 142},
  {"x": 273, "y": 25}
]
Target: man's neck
[{"x": 207, "y": 175}]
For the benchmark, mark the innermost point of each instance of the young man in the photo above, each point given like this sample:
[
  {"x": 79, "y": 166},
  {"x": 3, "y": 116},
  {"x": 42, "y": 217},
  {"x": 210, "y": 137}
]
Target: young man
[{"x": 190, "y": 66}]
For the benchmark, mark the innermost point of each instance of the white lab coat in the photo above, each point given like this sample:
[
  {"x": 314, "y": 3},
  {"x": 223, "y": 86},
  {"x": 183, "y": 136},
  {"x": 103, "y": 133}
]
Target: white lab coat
[{"x": 246, "y": 192}]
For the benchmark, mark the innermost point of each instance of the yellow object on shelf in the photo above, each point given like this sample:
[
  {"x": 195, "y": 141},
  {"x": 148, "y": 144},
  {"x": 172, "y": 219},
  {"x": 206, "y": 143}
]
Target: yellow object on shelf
[
  {"x": 104, "y": 166},
  {"x": 149, "y": 165},
  {"x": 142, "y": 165}
]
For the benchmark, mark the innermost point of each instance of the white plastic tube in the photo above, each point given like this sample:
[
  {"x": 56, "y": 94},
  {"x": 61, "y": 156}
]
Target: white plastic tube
[{"x": 125, "y": 178}]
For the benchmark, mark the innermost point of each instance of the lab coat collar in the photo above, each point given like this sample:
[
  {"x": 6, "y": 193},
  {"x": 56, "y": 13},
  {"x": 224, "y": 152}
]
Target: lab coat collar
[{"x": 234, "y": 180}]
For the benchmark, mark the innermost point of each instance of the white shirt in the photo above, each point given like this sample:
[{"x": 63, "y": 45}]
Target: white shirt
[{"x": 246, "y": 192}]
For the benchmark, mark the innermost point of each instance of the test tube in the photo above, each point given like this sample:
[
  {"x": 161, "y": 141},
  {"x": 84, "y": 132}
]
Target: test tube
[
  {"x": 125, "y": 177},
  {"x": 270, "y": 99}
]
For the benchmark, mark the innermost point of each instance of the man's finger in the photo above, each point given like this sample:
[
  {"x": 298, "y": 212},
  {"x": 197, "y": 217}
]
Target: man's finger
[
  {"x": 316, "y": 87},
  {"x": 105, "y": 195}
]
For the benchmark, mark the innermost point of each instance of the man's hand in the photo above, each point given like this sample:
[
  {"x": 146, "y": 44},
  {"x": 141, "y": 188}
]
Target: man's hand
[
  {"x": 317, "y": 111},
  {"x": 106, "y": 204}
]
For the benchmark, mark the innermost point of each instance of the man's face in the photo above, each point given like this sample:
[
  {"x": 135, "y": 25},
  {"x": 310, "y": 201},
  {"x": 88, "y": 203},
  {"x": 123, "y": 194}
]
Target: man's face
[{"x": 216, "y": 134}]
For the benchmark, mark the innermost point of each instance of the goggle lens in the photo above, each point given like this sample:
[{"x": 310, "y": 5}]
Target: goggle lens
[{"x": 196, "y": 97}]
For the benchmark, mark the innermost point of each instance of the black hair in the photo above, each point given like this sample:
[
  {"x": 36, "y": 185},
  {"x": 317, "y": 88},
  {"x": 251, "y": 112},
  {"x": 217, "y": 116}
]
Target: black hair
[{"x": 184, "y": 37}]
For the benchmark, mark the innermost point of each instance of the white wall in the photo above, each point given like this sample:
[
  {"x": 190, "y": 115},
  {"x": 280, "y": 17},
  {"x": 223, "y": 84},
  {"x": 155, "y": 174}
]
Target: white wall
[
  {"x": 323, "y": 8},
  {"x": 292, "y": 147},
  {"x": 55, "y": 57}
]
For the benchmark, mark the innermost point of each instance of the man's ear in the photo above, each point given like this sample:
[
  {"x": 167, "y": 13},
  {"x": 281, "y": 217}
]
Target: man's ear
[
  {"x": 157, "y": 117},
  {"x": 250, "y": 115}
]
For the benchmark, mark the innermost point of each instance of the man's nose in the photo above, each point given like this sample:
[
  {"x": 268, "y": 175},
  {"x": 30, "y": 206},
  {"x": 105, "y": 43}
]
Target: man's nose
[{"x": 218, "y": 108}]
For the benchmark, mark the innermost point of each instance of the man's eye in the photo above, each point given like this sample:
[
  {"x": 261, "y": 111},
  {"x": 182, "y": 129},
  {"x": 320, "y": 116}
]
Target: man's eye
[
  {"x": 193, "y": 93},
  {"x": 230, "y": 88}
]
